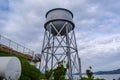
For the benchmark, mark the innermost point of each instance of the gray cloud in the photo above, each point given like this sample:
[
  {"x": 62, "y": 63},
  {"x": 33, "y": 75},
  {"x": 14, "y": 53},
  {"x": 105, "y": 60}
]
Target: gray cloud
[
  {"x": 100, "y": 51},
  {"x": 97, "y": 27}
]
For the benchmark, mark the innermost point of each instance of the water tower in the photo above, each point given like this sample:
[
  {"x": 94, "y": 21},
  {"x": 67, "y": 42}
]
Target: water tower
[{"x": 59, "y": 42}]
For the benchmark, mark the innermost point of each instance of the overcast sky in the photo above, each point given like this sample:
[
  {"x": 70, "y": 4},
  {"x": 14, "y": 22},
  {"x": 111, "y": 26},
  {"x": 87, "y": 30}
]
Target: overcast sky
[{"x": 97, "y": 27}]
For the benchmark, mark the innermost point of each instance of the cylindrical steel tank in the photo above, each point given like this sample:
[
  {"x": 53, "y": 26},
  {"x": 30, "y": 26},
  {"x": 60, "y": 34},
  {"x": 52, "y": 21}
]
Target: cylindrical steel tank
[
  {"x": 10, "y": 68},
  {"x": 58, "y": 17}
]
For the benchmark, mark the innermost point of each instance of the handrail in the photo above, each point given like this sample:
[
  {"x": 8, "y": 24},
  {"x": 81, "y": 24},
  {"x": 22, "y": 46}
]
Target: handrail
[{"x": 15, "y": 46}]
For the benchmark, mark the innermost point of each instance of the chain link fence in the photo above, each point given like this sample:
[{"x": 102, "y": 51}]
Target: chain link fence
[{"x": 5, "y": 42}]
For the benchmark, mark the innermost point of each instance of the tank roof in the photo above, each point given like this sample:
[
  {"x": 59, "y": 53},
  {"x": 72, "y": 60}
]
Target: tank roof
[{"x": 58, "y": 9}]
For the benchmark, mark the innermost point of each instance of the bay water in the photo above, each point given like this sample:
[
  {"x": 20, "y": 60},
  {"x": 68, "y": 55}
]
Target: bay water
[{"x": 105, "y": 76}]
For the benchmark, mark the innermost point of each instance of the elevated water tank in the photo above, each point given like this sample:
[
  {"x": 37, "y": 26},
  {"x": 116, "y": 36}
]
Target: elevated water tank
[
  {"x": 10, "y": 68},
  {"x": 59, "y": 17}
]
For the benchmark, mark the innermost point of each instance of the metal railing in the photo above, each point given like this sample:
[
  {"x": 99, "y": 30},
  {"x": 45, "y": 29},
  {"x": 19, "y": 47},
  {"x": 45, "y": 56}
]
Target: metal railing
[{"x": 15, "y": 46}]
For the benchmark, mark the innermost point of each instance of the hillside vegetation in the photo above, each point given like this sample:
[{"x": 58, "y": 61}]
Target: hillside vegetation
[{"x": 29, "y": 72}]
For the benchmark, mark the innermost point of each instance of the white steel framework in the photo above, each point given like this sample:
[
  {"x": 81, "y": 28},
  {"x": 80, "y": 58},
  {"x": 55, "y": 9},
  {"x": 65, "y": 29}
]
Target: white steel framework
[{"x": 57, "y": 48}]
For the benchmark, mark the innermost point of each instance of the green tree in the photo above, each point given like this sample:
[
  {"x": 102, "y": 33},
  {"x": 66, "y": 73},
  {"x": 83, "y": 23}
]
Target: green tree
[
  {"x": 60, "y": 72},
  {"x": 90, "y": 76},
  {"x": 48, "y": 74},
  {"x": 89, "y": 73}
]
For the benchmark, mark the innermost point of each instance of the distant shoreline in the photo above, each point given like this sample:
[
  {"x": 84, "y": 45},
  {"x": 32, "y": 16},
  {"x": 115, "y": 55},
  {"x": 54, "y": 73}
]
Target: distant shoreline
[
  {"x": 107, "y": 74},
  {"x": 117, "y": 71},
  {"x": 99, "y": 74}
]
